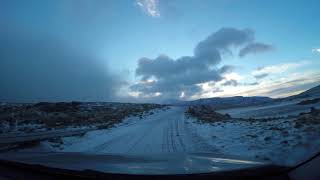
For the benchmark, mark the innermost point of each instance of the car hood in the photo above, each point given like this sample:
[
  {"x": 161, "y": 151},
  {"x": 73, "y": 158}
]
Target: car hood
[{"x": 156, "y": 164}]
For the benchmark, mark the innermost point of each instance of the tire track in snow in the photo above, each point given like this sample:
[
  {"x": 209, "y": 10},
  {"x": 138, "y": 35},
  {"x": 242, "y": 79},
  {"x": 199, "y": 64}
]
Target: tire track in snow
[
  {"x": 168, "y": 140},
  {"x": 179, "y": 134},
  {"x": 172, "y": 137},
  {"x": 166, "y": 132},
  {"x": 144, "y": 136},
  {"x": 165, "y": 142}
]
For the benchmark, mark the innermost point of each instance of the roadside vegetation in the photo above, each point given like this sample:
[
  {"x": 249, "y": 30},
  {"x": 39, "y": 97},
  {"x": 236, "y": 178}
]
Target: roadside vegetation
[
  {"x": 47, "y": 116},
  {"x": 309, "y": 101},
  {"x": 206, "y": 113},
  {"x": 309, "y": 118}
]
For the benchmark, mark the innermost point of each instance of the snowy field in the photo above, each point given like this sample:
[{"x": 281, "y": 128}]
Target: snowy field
[
  {"x": 277, "y": 140},
  {"x": 270, "y": 132},
  {"x": 163, "y": 131},
  {"x": 170, "y": 130}
]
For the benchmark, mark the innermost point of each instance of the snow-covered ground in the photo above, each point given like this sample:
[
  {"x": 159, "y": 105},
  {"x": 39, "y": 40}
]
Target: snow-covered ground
[
  {"x": 276, "y": 140},
  {"x": 170, "y": 130},
  {"x": 163, "y": 131}
]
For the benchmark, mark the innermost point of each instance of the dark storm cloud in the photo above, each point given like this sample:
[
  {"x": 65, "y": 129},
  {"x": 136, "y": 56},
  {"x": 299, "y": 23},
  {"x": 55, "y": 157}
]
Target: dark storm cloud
[
  {"x": 174, "y": 76},
  {"x": 42, "y": 68},
  {"x": 48, "y": 51},
  {"x": 254, "y": 48}
]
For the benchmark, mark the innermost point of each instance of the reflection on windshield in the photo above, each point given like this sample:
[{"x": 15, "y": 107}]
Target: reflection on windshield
[{"x": 150, "y": 87}]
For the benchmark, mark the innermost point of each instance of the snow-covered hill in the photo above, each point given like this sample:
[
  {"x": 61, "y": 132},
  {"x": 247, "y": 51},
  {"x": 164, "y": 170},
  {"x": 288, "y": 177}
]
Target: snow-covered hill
[
  {"x": 311, "y": 93},
  {"x": 225, "y": 102},
  {"x": 241, "y": 101}
]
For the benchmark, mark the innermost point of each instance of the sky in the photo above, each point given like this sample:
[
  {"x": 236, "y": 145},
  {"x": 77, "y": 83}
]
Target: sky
[{"x": 156, "y": 50}]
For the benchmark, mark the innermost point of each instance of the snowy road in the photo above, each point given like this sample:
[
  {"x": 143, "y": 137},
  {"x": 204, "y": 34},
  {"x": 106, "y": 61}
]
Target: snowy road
[{"x": 163, "y": 132}]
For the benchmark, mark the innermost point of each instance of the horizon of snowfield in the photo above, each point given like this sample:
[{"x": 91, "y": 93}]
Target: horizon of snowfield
[{"x": 269, "y": 132}]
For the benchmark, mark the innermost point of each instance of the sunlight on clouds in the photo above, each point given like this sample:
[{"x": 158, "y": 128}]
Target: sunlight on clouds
[
  {"x": 134, "y": 93},
  {"x": 281, "y": 83},
  {"x": 137, "y": 94},
  {"x": 233, "y": 76},
  {"x": 157, "y": 94},
  {"x": 276, "y": 69},
  {"x": 316, "y": 50},
  {"x": 182, "y": 95},
  {"x": 150, "y": 7},
  {"x": 287, "y": 85},
  {"x": 148, "y": 81}
]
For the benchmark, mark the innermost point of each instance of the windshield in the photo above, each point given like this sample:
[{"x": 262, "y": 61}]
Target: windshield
[{"x": 133, "y": 86}]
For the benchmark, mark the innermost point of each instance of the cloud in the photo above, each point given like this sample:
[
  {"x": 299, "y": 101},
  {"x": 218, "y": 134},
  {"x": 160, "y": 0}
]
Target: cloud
[
  {"x": 276, "y": 69},
  {"x": 316, "y": 50},
  {"x": 44, "y": 68},
  {"x": 261, "y": 75},
  {"x": 151, "y": 7},
  {"x": 286, "y": 85},
  {"x": 233, "y": 76},
  {"x": 252, "y": 84},
  {"x": 171, "y": 77},
  {"x": 254, "y": 48},
  {"x": 230, "y": 83}
]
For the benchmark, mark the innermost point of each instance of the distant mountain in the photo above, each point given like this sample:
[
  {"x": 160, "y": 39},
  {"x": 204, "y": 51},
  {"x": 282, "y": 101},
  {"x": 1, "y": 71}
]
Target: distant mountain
[
  {"x": 240, "y": 101},
  {"x": 225, "y": 102}
]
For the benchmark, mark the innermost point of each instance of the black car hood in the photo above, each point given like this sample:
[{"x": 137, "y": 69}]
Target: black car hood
[{"x": 157, "y": 164}]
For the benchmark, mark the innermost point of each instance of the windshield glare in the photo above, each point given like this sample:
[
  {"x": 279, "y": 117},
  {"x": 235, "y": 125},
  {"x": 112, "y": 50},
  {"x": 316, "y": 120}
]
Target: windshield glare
[{"x": 160, "y": 87}]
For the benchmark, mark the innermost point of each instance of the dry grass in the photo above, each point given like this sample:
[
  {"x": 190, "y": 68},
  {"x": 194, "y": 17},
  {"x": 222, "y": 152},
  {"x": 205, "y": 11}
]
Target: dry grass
[
  {"x": 65, "y": 114},
  {"x": 310, "y": 118},
  {"x": 206, "y": 114}
]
